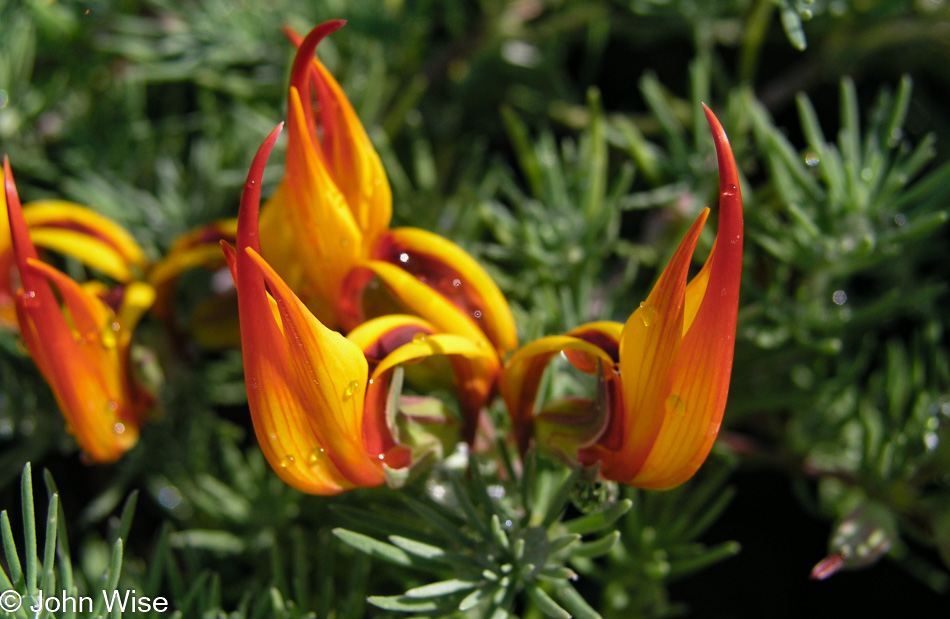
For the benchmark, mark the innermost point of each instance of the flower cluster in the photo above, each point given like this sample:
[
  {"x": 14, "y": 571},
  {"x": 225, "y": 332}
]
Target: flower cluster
[{"x": 332, "y": 411}]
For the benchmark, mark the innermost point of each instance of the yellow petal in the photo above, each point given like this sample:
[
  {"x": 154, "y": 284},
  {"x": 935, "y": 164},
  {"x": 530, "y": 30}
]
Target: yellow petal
[
  {"x": 91, "y": 238},
  {"x": 345, "y": 148},
  {"x": 326, "y": 237},
  {"x": 649, "y": 345},
  {"x": 450, "y": 272},
  {"x": 699, "y": 382}
]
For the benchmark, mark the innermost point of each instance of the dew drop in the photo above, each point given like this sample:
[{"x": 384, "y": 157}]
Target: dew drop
[
  {"x": 730, "y": 190},
  {"x": 840, "y": 297},
  {"x": 419, "y": 338},
  {"x": 316, "y": 455},
  {"x": 251, "y": 182},
  {"x": 404, "y": 257},
  {"x": 286, "y": 461},
  {"x": 113, "y": 406},
  {"x": 457, "y": 283},
  {"x": 812, "y": 160},
  {"x": 477, "y": 314},
  {"x": 371, "y": 381},
  {"x": 675, "y": 405},
  {"x": 381, "y": 457},
  {"x": 647, "y": 315},
  {"x": 119, "y": 428},
  {"x": 350, "y": 389}
]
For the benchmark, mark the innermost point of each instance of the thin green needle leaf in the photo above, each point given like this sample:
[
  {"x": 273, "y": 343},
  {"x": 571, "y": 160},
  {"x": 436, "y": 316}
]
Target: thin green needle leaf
[
  {"x": 29, "y": 528},
  {"x": 598, "y": 547},
  {"x": 575, "y": 603},
  {"x": 546, "y": 603},
  {"x": 9, "y": 549},
  {"x": 597, "y": 521}
]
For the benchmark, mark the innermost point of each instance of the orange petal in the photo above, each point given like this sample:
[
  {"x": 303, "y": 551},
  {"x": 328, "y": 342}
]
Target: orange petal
[
  {"x": 347, "y": 151},
  {"x": 281, "y": 345},
  {"x": 700, "y": 377},
  {"x": 649, "y": 345},
  {"x": 328, "y": 240},
  {"x": 82, "y": 233}
]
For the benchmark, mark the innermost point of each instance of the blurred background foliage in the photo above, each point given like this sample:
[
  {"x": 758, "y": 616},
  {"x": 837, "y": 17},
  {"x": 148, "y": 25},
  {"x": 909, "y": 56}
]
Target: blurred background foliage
[{"x": 562, "y": 143}]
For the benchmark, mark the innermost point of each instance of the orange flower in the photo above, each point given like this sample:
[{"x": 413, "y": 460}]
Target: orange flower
[
  {"x": 72, "y": 230},
  {"x": 319, "y": 400},
  {"x": 326, "y": 230},
  {"x": 81, "y": 349},
  {"x": 664, "y": 374}
]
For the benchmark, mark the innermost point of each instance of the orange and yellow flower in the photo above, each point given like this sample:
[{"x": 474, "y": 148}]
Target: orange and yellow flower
[
  {"x": 319, "y": 401},
  {"x": 326, "y": 230},
  {"x": 71, "y": 230},
  {"x": 81, "y": 348},
  {"x": 664, "y": 374}
]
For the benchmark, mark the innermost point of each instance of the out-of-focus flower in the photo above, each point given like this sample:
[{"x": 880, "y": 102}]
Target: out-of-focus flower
[
  {"x": 320, "y": 402},
  {"x": 326, "y": 229},
  {"x": 82, "y": 348},
  {"x": 213, "y": 323},
  {"x": 71, "y": 230},
  {"x": 663, "y": 376}
]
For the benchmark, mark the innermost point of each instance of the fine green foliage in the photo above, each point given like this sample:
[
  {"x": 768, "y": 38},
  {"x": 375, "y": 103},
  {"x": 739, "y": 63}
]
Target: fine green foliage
[{"x": 563, "y": 144}]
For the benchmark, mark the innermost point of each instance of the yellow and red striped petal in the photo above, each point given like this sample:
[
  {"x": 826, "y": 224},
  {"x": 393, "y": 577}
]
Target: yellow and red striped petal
[
  {"x": 304, "y": 381},
  {"x": 347, "y": 151},
  {"x": 329, "y": 241},
  {"x": 94, "y": 240},
  {"x": 699, "y": 383},
  {"x": 437, "y": 280},
  {"x": 676, "y": 353}
]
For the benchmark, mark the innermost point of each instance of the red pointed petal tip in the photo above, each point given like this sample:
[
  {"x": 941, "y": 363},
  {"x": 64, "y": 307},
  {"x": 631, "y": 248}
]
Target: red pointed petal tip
[
  {"x": 827, "y": 566},
  {"x": 247, "y": 232},
  {"x": 728, "y": 173},
  {"x": 23, "y": 247},
  {"x": 305, "y": 52}
]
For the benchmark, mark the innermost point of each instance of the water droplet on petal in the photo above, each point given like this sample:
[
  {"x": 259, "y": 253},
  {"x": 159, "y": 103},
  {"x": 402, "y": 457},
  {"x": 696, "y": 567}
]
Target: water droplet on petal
[
  {"x": 316, "y": 455},
  {"x": 477, "y": 314},
  {"x": 419, "y": 338},
  {"x": 118, "y": 428},
  {"x": 730, "y": 190},
  {"x": 404, "y": 257},
  {"x": 457, "y": 282},
  {"x": 812, "y": 160},
  {"x": 350, "y": 390},
  {"x": 286, "y": 461},
  {"x": 675, "y": 405},
  {"x": 647, "y": 314}
]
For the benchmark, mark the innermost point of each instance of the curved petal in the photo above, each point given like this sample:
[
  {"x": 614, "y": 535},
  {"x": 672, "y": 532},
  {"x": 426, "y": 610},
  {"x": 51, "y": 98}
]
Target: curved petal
[
  {"x": 449, "y": 271},
  {"x": 700, "y": 377},
  {"x": 329, "y": 241},
  {"x": 94, "y": 240},
  {"x": 328, "y": 375},
  {"x": 649, "y": 345},
  {"x": 418, "y": 298},
  {"x": 476, "y": 368},
  {"x": 276, "y": 363},
  {"x": 522, "y": 377},
  {"x": 347, "y": 151}
]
